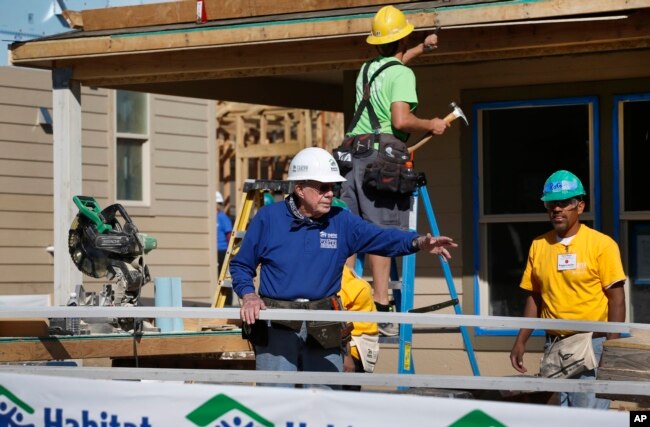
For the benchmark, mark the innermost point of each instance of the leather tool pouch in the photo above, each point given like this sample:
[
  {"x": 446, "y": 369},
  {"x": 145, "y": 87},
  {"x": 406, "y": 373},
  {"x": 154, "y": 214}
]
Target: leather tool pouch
[
  {"x": 257, "y": 333},
  {"x": 326, "y": 334},
  {"x": 293, "y": 325}
]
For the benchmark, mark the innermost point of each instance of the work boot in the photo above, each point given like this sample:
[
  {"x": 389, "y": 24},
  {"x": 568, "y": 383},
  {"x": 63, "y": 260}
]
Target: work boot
[{"x": 387, "y": 329}]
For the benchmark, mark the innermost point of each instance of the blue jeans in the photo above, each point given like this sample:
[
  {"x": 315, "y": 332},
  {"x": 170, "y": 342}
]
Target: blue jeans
[
  {"x": 584, "y": 400},
  {"x": 288, "y": 351}
]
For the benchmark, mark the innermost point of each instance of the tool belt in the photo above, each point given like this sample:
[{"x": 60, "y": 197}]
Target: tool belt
[{"x": 325, "y": 334}]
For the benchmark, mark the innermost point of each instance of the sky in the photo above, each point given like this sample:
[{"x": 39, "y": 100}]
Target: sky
[{"x": 22, "y": 20}]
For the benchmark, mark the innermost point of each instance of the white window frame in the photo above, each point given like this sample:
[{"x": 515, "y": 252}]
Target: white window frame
[{"x": 145, "y": 140}]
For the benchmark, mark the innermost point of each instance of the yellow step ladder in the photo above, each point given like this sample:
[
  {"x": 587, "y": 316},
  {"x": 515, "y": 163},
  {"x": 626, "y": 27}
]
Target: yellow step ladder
[{"x": 252, "y": 197}]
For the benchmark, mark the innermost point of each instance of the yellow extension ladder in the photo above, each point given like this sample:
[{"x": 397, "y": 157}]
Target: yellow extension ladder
[{"x": 252, "y": 197}]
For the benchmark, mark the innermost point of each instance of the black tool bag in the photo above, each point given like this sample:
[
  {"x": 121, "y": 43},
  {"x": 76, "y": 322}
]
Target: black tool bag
[
  {"x": 356, "y": 146},
  {"x": 343, "y": 155},
  {"x": 391, "y": 171}
]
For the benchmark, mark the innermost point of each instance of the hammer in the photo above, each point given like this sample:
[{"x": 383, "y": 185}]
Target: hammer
[{"x": 455, "y": 113}]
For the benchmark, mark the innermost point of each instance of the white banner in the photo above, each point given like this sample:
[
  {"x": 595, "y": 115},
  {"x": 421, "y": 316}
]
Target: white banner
[{"x": 30, "y": 401}]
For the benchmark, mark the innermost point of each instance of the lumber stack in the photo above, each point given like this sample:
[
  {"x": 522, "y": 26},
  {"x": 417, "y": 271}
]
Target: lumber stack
[{"x": 626, "y": 359}]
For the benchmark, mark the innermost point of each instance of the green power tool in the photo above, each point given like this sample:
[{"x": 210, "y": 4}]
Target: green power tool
[{"x": 103, "y": 246}]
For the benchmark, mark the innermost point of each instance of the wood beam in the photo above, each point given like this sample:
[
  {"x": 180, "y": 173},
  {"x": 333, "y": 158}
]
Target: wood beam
[
  {"x": 305, "y": 56},
  {"x": 185, "y": 11},
  {"x": 292, "y": 30},
  {"x": 115, "y": 345}
]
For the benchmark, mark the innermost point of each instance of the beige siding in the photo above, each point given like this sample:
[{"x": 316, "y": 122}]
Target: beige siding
[
  {"x": 181, "y": 214},
  {"x": 25, "y": 183}
]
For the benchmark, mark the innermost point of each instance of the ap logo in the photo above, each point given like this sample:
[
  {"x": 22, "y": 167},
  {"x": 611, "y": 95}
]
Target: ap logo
[
  {"x": 222, "y": 411},
  {"x": 12, "y": 410}
]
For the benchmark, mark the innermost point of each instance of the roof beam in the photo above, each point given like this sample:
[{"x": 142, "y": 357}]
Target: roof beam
[
  {"x": 456, "y": 45},
  {"x": 302, "y": 29}
]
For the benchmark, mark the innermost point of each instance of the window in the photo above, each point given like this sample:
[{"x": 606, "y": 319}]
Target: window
[
  {"x": 632, "y": 143},
  {"x": 132, "y": 148},
  {"x": 517, "y": 145}
]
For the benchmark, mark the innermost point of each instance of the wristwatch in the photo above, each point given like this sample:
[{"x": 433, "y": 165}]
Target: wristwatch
[{"x": 415, "y": 243}]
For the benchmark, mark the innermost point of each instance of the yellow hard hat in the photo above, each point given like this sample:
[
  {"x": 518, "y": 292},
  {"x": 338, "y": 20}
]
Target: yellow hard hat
[{"x": 389, "y": 25}]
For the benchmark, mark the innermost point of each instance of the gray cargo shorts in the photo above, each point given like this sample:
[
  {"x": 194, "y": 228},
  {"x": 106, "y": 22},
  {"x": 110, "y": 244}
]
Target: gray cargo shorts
[{"x": 378, "y": 207}]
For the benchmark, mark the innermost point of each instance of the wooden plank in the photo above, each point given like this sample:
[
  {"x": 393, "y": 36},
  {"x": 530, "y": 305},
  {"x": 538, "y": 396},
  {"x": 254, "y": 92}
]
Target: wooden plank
[
  {"x": 88, "y": 347},
  {"x": 185, "y": 12},
  {"x": 269, "y": 150},
  {"x": 23, "y": 327},
  {"x": 298, "y": 30},
  {"x": 339, "y": 54}
]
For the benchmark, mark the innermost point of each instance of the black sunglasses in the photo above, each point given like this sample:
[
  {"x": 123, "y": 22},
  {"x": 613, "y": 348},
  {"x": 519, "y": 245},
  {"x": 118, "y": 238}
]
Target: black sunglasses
[{"x": 323, "y": 187}]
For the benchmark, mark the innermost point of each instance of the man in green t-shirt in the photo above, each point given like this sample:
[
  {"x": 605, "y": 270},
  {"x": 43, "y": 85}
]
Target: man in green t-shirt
[{"x": 383, "y": 125}]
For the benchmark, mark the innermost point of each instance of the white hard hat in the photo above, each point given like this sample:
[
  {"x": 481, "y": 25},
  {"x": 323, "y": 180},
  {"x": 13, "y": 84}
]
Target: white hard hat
[
  {"x": 218, "y": 197},
  {"x": 314, "y": 164}
]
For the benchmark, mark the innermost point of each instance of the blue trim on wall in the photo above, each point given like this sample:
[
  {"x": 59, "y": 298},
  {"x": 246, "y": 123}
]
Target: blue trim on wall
[
  {"x": 616, "y": 173},
  {"x": 478, "y": 331}
]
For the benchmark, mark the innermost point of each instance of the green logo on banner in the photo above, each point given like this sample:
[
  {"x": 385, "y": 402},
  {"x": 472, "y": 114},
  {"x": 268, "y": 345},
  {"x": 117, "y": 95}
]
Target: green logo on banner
[
  {"x": 12, "y": 416},
  {"x": 476, "y": 418},
  {"x": 233, "y": 412}
]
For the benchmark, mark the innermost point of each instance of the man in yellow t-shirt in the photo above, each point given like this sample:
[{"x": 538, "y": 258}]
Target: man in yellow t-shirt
[
  {"x": 356, "y": 295},
  {"x": 573, "y": 273}
]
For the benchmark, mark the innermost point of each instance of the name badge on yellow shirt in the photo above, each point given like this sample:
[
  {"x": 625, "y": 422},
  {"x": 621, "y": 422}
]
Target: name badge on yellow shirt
[{"x": 566, "y": 262}]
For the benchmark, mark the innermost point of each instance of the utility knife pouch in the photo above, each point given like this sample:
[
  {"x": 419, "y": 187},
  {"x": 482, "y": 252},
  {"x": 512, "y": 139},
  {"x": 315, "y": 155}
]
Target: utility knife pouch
[{"x": 257, "y": 333}]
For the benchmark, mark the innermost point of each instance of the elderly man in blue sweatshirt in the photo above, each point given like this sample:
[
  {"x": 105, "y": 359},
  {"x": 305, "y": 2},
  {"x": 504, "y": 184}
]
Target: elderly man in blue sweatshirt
[{"x": 301, "y": 245}]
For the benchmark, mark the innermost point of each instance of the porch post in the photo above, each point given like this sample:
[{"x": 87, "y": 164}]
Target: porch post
[{"x": 67, "y": 176}]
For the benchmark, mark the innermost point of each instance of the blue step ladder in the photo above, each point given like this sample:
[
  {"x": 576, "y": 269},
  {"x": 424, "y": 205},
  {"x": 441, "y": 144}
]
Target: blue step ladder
[{"x": 404, "y": 297}]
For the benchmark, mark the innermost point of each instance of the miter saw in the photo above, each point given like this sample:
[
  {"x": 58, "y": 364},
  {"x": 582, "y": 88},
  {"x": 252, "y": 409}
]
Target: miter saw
[{"x": 103, "y": 246}]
